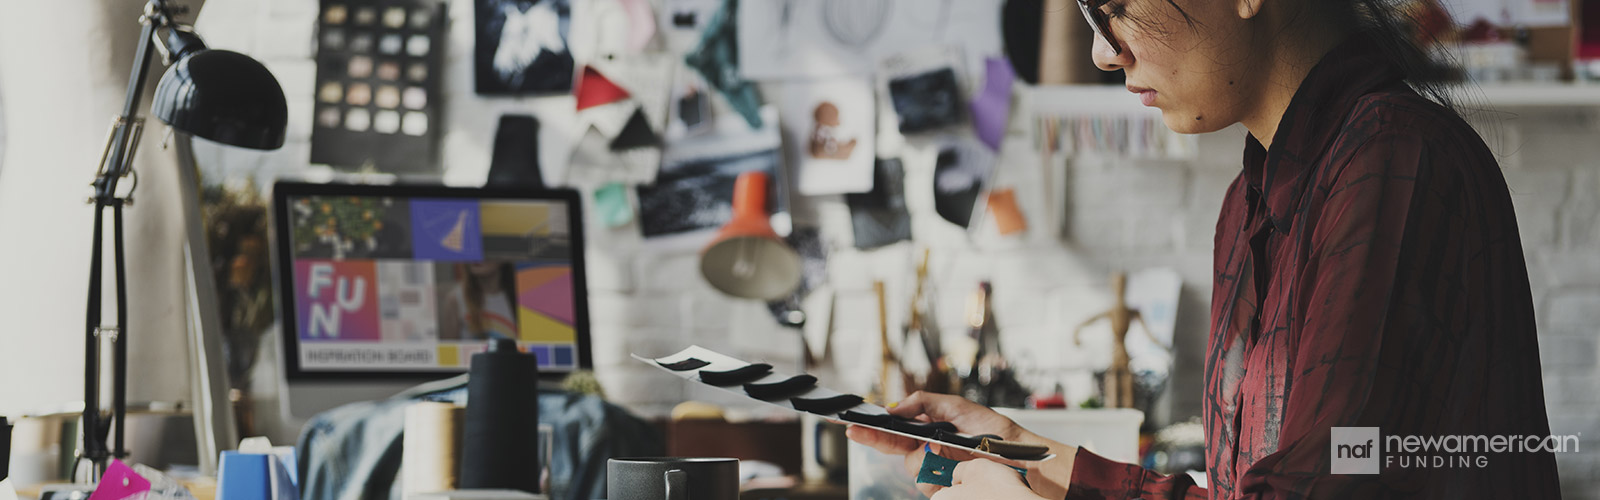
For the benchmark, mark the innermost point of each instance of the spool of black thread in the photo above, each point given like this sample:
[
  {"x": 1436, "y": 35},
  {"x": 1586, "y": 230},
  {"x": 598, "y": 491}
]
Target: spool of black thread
[{"x": 501, "y": 440}]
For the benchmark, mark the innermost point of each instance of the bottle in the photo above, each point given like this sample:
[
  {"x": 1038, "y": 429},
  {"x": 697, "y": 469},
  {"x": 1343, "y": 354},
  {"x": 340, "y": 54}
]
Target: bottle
[
  {"x": 501, "y": 433},
  {"x": 990, "y": 381}
]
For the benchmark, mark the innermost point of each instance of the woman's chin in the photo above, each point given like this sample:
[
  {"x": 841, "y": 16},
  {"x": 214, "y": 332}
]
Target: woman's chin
[{"x": 1190, "y": 122}]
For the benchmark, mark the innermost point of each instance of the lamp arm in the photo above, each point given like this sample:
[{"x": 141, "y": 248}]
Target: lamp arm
[
  {"x": 115, "y": 163},
  {"x": 117, "y": 160}
]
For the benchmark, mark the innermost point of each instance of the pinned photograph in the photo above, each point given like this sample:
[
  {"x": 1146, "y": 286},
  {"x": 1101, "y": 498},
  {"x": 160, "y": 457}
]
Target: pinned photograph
[
  {"x": 522, "y": 47},
  {"x": 832, "y": 124},
  {"x": 925, "y": 90}
]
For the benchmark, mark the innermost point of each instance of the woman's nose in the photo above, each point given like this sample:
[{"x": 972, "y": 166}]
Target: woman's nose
[{"x": 1106, "y": 58}]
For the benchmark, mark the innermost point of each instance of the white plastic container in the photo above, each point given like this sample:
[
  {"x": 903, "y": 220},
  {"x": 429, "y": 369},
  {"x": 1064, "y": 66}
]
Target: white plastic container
[{"x": 1112, "y": 432}]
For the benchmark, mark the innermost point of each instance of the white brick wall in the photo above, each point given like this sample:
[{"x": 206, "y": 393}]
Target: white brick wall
[{"x": 649, "y": 299}]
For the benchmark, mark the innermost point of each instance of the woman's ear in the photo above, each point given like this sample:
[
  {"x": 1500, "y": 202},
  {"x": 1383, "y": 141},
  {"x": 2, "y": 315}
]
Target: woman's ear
[{"x": 1248, "y": 8}]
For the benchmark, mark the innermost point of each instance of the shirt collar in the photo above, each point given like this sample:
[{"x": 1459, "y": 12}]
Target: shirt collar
[{"x": 1312, "y": 122}]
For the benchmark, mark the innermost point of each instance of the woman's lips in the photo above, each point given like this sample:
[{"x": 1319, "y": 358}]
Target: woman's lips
[{"x": 1146, "y": 96}]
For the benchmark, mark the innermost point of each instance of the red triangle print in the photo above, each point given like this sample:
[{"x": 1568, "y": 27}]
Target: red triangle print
[{"x": 595, "y": 89}]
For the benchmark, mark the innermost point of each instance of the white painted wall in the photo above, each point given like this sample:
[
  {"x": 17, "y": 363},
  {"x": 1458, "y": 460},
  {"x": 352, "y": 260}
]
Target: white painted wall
[{"x": 63, "y": 71}]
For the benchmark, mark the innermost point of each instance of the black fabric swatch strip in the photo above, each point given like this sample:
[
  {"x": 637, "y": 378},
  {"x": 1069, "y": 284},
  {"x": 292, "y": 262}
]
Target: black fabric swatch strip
[
  {"x": 685, "y": 365},
  {"x": 791, "y": 387},
  {"x": 856, "y": 417},
  {"x": 827, "y": 406},
  {"x": 737, "y": 376},
  {"x": 927, "y": 430},
  {"x": 957, "y": 439}
]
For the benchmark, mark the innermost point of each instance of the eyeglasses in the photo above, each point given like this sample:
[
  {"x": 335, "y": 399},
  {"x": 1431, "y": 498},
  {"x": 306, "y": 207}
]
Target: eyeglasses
[{"x": 1100, "y": 23}]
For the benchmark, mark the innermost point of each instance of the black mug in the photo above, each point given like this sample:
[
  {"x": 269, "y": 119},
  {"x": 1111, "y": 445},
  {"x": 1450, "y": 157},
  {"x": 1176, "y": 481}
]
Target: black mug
[{"x": 672, "y": 479}]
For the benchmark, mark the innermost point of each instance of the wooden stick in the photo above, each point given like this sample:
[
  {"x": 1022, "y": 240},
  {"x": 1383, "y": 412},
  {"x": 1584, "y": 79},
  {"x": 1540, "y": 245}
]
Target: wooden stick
[{"x": 883, "y": 338}]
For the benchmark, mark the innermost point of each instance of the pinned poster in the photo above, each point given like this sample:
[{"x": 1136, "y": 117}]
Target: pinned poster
[{"x": 833, "y": 124}]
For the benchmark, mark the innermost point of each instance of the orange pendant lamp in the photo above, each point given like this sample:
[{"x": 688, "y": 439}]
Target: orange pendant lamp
[{"x": 748, "y": 259}]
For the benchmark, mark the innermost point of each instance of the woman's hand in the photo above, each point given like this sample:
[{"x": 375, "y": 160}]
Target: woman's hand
[
  {"x": 1049, "y": 479},
  {"x": 969, "y": 418},
  {"x": 981, "y": 479}
]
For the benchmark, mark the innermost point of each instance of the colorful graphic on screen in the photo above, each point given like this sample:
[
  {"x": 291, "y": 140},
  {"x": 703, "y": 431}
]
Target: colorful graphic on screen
[
  {"x": 446, "y": 230},
  {"x": 391, "y": 284},
  {"x": 337, "y": 300}
]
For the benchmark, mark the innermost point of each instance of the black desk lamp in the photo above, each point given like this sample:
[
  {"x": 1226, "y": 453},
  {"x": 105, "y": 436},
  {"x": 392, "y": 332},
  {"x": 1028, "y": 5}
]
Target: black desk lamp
[{"x": 219, "y": 95}]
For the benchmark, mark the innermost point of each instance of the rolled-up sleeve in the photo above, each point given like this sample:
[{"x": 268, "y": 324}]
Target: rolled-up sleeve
[{"x": 1096, "y": 477}]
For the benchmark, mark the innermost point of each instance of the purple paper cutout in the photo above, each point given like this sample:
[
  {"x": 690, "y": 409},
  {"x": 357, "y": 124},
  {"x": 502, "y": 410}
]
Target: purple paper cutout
[{"x": 992, "y": 108}]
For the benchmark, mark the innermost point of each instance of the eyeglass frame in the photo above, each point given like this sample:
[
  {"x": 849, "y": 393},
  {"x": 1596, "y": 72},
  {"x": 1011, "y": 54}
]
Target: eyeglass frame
[{"x": 1099, "y": 23}]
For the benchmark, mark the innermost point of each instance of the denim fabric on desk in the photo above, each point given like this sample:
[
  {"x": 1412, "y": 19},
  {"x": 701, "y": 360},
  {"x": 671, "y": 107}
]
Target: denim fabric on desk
[{"x": 353, "y": 452}]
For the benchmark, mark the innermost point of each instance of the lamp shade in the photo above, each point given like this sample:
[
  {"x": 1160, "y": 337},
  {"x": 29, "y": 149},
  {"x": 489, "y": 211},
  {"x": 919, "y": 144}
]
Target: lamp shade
[
  {"x": 747, "y": 259},
  {"x": 223, "y": 96}
]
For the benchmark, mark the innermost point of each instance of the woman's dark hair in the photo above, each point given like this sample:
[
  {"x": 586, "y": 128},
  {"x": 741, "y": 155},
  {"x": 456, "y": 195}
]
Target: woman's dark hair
[
  {"x": 1401, "y": 35},
  {"x": 1398, "y": 33}
]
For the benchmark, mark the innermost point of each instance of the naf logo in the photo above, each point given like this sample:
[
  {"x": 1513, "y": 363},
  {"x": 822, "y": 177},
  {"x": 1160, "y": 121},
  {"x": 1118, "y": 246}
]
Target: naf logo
[{"x": 1355, "y": 450}]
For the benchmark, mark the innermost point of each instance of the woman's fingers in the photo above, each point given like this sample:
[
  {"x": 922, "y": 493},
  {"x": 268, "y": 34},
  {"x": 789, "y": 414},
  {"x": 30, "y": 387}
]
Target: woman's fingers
[
  {"x": 943, "y": 407},
  {"x": 882, "y": 441},
  {"x": 983, "y": 470}
]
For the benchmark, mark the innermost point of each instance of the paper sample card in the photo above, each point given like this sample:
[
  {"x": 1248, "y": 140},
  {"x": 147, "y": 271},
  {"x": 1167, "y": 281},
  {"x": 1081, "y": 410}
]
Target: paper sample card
[{"x": 737, "y": 376}]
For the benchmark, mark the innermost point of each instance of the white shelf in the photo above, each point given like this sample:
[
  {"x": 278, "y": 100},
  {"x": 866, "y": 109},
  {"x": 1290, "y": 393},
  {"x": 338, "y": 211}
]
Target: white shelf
[
  {"x": 1114, "y": 99},
  {"x": 1530, "y": 95},
  {"x": 1080, "y": 100}
]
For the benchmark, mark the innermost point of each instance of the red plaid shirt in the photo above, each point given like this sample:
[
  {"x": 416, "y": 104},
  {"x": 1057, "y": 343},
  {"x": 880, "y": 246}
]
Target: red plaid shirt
[{"x": 1368, "y": 273}]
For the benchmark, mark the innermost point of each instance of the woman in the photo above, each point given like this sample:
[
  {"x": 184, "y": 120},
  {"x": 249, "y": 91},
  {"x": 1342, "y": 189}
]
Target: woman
[
  {"x": 483, "y": 305},
  {"x": 1368, "y": 271}
]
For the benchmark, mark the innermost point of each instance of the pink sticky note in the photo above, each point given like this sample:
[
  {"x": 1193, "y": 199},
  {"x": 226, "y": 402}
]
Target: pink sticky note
[{"x": 119, "y": 482}]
